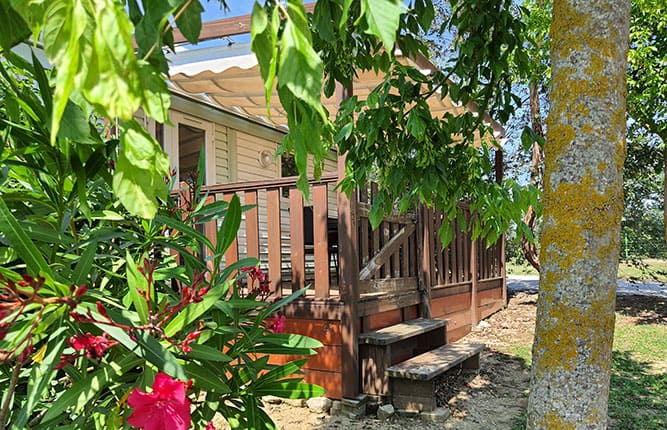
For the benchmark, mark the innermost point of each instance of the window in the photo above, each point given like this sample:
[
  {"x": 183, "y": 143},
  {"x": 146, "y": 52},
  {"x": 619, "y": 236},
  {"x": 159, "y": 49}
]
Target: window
[{"x": 184, "y": 143}]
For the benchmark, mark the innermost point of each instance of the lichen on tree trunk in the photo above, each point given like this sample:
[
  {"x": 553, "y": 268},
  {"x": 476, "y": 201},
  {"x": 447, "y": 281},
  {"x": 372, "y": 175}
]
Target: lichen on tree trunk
[{"x": 583, "y": 204}]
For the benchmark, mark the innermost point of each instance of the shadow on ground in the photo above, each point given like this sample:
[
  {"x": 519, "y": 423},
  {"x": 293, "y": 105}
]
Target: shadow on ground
[
  {"x": 645, "y": 309},
  {"x": 637, "y": 398}
]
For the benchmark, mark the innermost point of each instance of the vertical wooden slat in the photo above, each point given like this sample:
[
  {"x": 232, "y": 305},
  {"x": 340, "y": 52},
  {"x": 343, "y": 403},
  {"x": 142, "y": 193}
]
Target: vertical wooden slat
[
  {"x": 252, "y": 225},
  {"x": 211, "y": 232},
  {"x": 473, "y": 296},
  {"x": 274, "y": 240},
  {"x": 460, "y": 262},
  {"x": 432, "y": 246},
  {"x": 425, "y": 260},
  {"x": 441, "y": 279},
  {"x": 232, "y": 253},
  {"x": 375, "y": 242},
  {"x": 405, "y": 256},
  {"x": 364, "y": 243},
  {"x": 453, "y": 260},
  {"x": 297, "y": 257},
  {"x": 321, "y": 240}
]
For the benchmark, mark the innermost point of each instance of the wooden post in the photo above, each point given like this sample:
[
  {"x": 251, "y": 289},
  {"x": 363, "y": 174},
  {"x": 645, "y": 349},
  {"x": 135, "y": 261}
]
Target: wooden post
[
  {"x": 321, "y": 239},
  {"x": 349, "y": 277},
  {"x": 296, "y": 239},
  {"x": 503, "y": 273},
  {"x": 473, "y": 289},
  {"x": 425, "y": 261},
  {"x": 274, "y": 240}
]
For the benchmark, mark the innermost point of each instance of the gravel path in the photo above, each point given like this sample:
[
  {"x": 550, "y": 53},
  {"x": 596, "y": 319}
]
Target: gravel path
[{"x": 529, "y": 283}]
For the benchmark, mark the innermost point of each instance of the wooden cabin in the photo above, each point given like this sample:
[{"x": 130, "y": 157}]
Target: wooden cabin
[{"x": 362, "y": 280}]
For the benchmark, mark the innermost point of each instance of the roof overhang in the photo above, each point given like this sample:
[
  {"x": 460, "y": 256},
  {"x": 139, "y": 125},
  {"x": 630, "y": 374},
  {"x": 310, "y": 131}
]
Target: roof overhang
[{"x": 228, "y": 77}]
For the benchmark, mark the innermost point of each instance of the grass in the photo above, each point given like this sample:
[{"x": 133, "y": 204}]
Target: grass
[
  {"x": 646, "y": 269},
  {"x": 637, "y": 397}
]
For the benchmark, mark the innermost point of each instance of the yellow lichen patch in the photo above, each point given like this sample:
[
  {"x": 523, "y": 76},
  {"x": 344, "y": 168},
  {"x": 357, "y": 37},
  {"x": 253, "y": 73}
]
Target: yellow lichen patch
[
  {"x": 553, "y": 421},
  {"x": 602, "y": 166},
  {"x": 560, "y": 342}
]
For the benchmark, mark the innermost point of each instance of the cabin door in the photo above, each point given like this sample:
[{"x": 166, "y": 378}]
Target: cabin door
[{"x": 184, "y": 142}]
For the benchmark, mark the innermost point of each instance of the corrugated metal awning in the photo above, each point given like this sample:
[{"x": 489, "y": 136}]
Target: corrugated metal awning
[{"x": 228, "y": 76}]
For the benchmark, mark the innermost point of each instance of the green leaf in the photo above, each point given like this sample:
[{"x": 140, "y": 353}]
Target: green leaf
[
  {"x": 14, "y": 28},
  {"x": 279, "y": 372},
  {"x": 300, "y": 67},
  {"x": 136, "y": 283},
  {"x": 112, "y": 80},
  {"x": 291, "y": 389},
  {"x": 26, "y": 249},
  {"x": 203, "y": 352},
  {"x": 208, "y": 377},
  {"x": 290, "y": 340},
  {"x": 230, "y": 225},
  {"x": 382, "y": 18},
  {"x": 85, "y": 390},
  {"x": 64, "y": 25},
  {"x": 189, "y": 22},
  {"x": 264, "y": 34},
  {"x": 141, "y": 169},
  {"x": 85, "y": 264}
]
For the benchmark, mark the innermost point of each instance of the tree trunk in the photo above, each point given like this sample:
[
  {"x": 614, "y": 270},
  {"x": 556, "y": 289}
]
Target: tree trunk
[
  {"x": 583, "y": 203},
  {"x": 530, "y": 249}
]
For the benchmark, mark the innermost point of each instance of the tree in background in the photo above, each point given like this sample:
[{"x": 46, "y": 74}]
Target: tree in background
[
  {"x": 647, "y": 107},
  {"x": 583, "y": 204}
]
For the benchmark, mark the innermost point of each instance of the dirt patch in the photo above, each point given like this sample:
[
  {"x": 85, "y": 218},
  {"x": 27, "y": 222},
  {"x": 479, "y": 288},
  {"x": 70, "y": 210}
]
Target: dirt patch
[{"x": 491, "y": 398}]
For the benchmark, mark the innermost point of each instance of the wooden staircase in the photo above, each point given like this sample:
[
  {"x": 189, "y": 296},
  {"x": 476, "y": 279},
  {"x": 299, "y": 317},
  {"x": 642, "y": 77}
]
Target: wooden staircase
[{"x": 399, "y": 363}]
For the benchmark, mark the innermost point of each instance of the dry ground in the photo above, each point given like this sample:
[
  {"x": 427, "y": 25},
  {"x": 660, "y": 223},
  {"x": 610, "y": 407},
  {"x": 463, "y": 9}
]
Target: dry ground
[{"x": 491, "y": 398}]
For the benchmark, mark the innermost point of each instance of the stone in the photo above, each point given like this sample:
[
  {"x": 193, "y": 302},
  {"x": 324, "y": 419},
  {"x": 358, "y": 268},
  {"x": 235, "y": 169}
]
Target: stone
[
  {"x": 483, "y": 325},
  {"x": 336, "y": 407},
  {"x": 437, "y": 415},
  {"x": 355, "y": 407},
  {"x": 319, "y": 404},
  {"x": 385, "y": 412},
  {"x": 272, "y": 400}
]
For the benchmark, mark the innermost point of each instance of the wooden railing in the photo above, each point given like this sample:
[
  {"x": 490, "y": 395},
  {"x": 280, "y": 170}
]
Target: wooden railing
[
  {"x": 293, "y": 238},
  {"x": 387, "y": 255},
  {"x": 454, "y": 264}
]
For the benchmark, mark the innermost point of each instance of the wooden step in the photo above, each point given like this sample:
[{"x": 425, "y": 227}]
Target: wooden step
[
  {"x": 401, "y": 331},
  {"x": 412, "y": 381},
  {"x": 380, "y": 349}
]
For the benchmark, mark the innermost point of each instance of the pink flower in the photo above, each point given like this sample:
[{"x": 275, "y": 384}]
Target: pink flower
[
  {"x": 95, "y": 346},
  {"x": 255, "y": 273},
  {"x": 166, "y": 408},
  {"x": 210, "y": 426},
  {"x": 278, "y": 323}
]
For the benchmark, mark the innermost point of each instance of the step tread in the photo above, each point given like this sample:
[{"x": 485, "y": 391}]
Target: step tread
[
  {"x": 398, "y": 332},
  {"x": 430, "y": 364}
]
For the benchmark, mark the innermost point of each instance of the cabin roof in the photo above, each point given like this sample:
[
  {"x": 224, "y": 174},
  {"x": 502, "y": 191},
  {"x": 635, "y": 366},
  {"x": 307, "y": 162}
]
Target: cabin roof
[{"x": 227, "y": 76}]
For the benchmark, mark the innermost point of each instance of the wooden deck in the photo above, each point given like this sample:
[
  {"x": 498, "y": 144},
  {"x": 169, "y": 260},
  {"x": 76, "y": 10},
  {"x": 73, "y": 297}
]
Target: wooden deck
[{"x": 361, "y": 279}]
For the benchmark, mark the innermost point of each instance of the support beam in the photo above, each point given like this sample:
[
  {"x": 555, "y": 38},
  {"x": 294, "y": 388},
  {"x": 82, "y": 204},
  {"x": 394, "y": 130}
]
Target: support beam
[
  {"x": 386, "y": 252},
  {"x": 225, "y": 27}
]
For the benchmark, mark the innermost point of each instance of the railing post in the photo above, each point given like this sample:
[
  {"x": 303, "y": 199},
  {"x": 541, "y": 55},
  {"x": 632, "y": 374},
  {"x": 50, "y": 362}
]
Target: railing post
[
  {"x": 424, "y": 261},
  {"x": 503, "y": 273},
  {"x": 321, "y": 239},
  {"x": 349, "y": 286}
]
